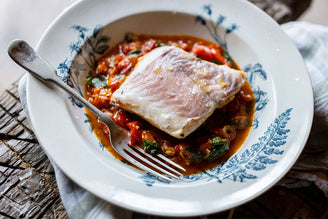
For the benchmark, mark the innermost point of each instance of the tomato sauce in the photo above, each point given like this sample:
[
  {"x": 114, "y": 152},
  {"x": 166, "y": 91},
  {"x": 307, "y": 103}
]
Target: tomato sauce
[{"x": 210, "y": 145}]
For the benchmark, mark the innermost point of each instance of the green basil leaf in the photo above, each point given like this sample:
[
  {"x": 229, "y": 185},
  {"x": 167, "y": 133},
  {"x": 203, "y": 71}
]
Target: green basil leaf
[
  {"x": 217, "y": 140},
  {"x": 197, "y": 157},
  {"x": 152, "y": 147},
  {"x": 98, "y": 81},
  {"x": 134, "y": 52},
  {"x": 228, "y": 57},
  {"x": 219, "y": 147},
  {"x": 216, "y": 61}
]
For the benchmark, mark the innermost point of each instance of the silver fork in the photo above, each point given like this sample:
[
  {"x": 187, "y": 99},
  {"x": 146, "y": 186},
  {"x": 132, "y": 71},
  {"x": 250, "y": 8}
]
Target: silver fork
[{"x": 26, "y": 57}]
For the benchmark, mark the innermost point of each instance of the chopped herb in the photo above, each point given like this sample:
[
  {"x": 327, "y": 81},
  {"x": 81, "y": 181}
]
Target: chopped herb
[
  {"x": 197, "y": 157},
  {"x": 228, "y": 57},
  {"x": 161, "y": 44},
  {"x": 119, "y": 76},
  {"x": 134, "y": 52},
  {"x": 199, "y": 59},
  {"x": 217, "y": 140},
  {"x": 98, "y": 81},
  {"x": 186, "y": 148},
  {"x": 219, "y": 147},
  {"x": 216, "y": 61},
  {"x": 89, "y": 80},
  {"x": 151, "y": 147},
  {"x": 158, "y": 43}
]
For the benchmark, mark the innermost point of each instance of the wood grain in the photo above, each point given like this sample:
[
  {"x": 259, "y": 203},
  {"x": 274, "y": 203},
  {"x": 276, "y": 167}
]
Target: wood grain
[
  {"x": 28, "y": 187},
  {"x": 283, "y": 10}
]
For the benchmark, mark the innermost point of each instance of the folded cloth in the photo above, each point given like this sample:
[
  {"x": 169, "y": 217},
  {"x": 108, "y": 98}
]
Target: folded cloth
[
  {"x": 78, "y": 202},
  {"x": 312, "y": 166}
]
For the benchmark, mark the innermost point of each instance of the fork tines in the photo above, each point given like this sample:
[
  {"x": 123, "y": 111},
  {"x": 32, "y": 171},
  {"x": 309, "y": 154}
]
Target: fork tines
[{"x": 158, "y": 165}]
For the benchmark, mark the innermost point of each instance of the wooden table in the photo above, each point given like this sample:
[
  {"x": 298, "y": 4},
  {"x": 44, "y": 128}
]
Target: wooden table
[{"x": 28, "y": 187}]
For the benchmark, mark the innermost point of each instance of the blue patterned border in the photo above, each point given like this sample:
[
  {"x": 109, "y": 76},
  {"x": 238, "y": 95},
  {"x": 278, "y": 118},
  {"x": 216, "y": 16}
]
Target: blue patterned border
[
  {"x": 91, "y": 43},
  {"x": 241, "y": 167},
  {"x": 220, "y": 36},
  {"x": 261, "y": 97}
]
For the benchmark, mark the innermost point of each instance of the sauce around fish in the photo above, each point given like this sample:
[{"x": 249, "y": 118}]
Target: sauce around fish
[{"x": 213, "y": 142}]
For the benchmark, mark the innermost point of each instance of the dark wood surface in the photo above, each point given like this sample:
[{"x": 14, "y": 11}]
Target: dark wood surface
[
  {"x": 283, "y": 10},
  {"x": 28, "y": 187}
]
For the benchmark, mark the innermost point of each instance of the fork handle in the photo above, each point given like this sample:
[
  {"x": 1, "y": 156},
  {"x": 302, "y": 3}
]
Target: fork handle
[{"x": 25, "y": 56}]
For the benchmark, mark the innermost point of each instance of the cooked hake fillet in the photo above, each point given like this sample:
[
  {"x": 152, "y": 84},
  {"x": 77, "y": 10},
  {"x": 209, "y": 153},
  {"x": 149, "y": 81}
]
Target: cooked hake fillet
[{"x": 175, "y": 91}]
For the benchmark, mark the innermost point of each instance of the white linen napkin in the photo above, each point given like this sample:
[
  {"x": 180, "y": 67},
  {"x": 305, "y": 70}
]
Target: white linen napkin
[{"x": 312, "y": 167}]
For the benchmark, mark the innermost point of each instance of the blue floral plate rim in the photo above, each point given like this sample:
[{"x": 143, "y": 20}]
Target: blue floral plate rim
[{"x": 92, "y": 171}]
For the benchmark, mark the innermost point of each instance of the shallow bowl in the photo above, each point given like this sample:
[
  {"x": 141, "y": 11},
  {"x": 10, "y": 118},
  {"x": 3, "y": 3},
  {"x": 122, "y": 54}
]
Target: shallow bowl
[{"x": 273, "y": 66}]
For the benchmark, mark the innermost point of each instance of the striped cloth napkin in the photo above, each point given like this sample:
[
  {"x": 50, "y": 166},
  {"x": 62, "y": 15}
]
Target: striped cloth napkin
[{"x": 312, "y": 166}]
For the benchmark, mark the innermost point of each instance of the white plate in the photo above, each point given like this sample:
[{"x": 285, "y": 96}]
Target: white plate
[{"x": 275, "y": 69}]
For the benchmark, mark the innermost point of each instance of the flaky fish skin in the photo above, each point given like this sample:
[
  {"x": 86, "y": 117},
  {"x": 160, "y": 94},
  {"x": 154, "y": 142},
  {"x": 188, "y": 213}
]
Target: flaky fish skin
[{"x": 176, "y": 91}]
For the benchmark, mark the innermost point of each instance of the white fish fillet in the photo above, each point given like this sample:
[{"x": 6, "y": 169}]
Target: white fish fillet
[{"x": 175, "y": 91}]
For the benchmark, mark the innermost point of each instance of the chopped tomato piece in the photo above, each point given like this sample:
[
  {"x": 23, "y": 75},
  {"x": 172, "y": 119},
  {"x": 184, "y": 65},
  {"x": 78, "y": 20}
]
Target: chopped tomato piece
[
  {"x": 202, "y": 52},
  {"x": 114, "y": 84},
  {"x": 184, "y": 46},
  {"x": 148, "y": 46},
  {"x": 218, "y": 56},
  {"x": 124, "y": 66},
  {"x": 121, "y": 118},
  {"x": 181, "y": 44},
  {"x": 102, "y": 69},
  {"x": 135, "y": 136},
  {"x": 134, "y": 125},
  {"x": 118, "y": 58},
  {"x": 146, "y": 135},
  {"x": 211, "y": 54},
  {"x": 135, "y": 132}
]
